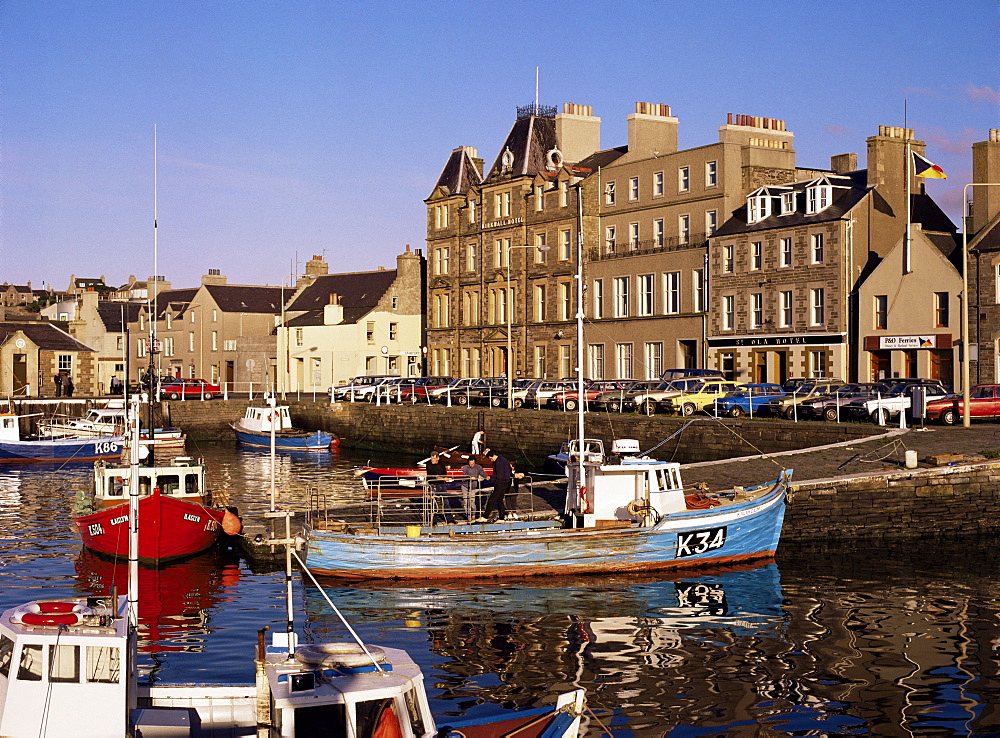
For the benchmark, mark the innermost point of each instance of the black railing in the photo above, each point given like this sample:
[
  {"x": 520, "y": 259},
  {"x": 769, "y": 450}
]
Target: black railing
[{"x": 651, "y": 246}]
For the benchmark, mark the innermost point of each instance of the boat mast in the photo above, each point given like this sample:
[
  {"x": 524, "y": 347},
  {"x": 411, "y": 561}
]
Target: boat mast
[
  {"x": 132, "y": 597},
  {"x": 154, "y": 384},
  {"x": 579, "y": 341}
]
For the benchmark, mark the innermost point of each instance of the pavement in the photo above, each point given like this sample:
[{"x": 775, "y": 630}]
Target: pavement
[{"x": 876, "y": 455}]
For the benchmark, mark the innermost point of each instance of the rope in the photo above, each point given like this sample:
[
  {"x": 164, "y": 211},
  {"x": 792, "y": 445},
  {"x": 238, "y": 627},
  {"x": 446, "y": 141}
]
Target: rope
[{"x": 768, "y": 457}]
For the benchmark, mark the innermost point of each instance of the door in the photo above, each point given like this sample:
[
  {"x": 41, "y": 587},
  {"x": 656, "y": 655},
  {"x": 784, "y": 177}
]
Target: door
[
  {"x": 20, "y": 373},
  {"x": 760, "y": 367}
]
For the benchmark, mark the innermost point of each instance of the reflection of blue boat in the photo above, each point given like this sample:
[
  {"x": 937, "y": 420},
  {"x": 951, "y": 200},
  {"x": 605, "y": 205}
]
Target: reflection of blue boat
[
  {"x": 14, "y": 449},
  {"x": 255, "y": 428}
]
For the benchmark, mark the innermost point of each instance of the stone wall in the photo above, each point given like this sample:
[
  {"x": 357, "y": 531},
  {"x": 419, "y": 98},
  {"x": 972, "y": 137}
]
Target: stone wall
[{"x": 942, "y": 502}]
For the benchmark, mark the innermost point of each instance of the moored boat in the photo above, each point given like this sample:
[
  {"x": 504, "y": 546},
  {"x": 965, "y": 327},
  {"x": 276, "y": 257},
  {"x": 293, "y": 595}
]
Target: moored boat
[
  {"x": 71, "y": 448},
  {"x": 409, "y": 480},
  {"x": 108, "y": 421},
  {"x": 179, "y": 518},
  {"x": 258, "y": 425},
  {"x": 626, "y": 513}
]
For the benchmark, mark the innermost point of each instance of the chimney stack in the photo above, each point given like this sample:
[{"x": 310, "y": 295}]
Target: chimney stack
[
  {"x": 578, "y": 132},
  {"x": 985, "y": 168},
  {"x": 652, "y": 130},
  {"x": 844, "y": 163}
]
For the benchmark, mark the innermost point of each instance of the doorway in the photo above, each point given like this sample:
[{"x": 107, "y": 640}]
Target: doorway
[{"x": 20, "y": 373}]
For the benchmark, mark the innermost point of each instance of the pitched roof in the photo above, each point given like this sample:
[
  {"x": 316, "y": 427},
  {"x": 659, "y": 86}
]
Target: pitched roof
[
  {"x": 44, "y": 335},
  {"x": 173, "y": 297},
  {"x": 358, "y": 292},
  {"x": 989, "y": 238},
  {"x": 236, "y": 298},
  {"x": 460, "y": 173},
  {"x": 601, "y": 158},
  {"x": 530, "y": 140},
  {"x": 111, "y": 314}
]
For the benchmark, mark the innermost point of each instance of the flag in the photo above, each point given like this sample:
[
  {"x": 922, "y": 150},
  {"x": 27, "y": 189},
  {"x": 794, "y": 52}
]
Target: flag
[{"x": 924, "y": 168}]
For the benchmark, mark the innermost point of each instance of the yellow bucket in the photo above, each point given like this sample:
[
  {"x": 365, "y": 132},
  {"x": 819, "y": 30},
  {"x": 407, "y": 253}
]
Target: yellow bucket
[{"x": 413, "y": 531}]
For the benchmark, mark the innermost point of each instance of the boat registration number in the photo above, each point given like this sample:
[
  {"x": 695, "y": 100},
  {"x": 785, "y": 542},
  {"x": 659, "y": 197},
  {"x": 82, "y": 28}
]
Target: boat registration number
[
  {"x": 697, "y": 542},
  {"x": 106, "y": 447}
]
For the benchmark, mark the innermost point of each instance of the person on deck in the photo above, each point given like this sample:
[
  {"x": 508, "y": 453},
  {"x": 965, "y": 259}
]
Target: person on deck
[
  {"x": 472, "y": 476},
  {"x": 479, "y": 442},
  {"x": 503, "y": 473},
  {"x": 437, "y": 475}
]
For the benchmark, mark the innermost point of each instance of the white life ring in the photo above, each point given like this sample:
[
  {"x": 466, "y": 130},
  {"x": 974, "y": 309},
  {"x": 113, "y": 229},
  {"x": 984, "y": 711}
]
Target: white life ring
[{"x": 338, "y": 655}]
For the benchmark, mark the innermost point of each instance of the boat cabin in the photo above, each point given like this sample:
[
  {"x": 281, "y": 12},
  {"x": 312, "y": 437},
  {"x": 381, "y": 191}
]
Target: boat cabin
[
  {"x": 262, "y": 419},
  {"x": 59, "y": 660},
  {"x": 623, "y": 488},
  {"x": 183, "y": 478},
  {"x": 9, "y": 428}
]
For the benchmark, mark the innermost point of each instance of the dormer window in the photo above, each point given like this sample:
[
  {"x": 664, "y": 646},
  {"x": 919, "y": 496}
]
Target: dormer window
[
  {"x": 818, "y": 197},
  {"x": 787, "y": 203},
  {"x": 758, "y": 208}
]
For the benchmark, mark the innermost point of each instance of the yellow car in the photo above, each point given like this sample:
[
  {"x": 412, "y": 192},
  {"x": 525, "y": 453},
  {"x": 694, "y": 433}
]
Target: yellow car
[{"x": 699, "y": 397}]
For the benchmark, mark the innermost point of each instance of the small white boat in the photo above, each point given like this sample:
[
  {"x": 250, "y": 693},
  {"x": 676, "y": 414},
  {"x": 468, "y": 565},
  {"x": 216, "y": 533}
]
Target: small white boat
[
  {"x": 107, "y": 421},
  {"x": 258, "y": 424}
]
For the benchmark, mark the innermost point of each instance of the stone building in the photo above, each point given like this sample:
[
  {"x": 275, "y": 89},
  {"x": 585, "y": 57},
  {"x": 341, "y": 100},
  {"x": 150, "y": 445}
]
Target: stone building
[
  {"x": 790, "y": 272},
  {"x": 982, "y": 228},
  {"x": 32, "y": 353},
  {"x": 339, "y": 326}
]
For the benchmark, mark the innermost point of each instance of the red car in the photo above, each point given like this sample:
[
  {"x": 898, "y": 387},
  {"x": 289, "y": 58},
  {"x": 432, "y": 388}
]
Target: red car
[
  {"x": 570, "y": 398},
  {"x": 415, "y": 390},
  {"x": 197, "y": 389},
  {"x": 984, "y": 402}
]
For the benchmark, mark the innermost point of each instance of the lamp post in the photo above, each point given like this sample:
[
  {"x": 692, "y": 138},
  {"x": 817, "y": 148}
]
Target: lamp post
[
  {"x": 966, "y": 420},
  {"x": 508, "y": 309}
]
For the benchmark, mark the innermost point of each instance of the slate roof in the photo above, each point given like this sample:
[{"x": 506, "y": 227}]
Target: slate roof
[
  {"x": 234, "y": 298},
  {"x": 173, "y": 297},
  {"x": 530, "y": 139},
  {"x": 989, "y": 239},
  {"x": 460, "y": 173},
  {"x": 601, "y": 158},
  {"x": 359, "y": 293},
  {"x": 44, "y": 335},
  {"x": 111, "y": 314},
  {"x": 950, "y": 246}
]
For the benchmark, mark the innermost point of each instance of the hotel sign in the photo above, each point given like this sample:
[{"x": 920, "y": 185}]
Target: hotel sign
[
  {"x": 503, "y": 223},
  {"x": 907, "y": 342},
  {"x": 805, "y": 339}
]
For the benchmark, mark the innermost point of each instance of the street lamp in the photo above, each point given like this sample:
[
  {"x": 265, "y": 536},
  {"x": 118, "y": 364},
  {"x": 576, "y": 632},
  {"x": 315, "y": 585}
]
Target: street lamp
[
  {"x": 966, "y": 420},
  {"x": 508, "y": 304}
]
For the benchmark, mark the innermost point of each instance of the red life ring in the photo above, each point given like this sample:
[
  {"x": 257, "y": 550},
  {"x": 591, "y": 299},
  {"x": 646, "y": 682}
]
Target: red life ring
[
  {"x": 35, "y": 618},
  {"x": 60, "y": 606},
  {"x": 584, "y": 505}
]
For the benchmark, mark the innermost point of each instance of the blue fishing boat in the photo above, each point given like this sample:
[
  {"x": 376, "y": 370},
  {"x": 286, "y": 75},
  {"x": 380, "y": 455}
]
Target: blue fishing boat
[
  {"x": 623, "y": 513},
  {"x": 14, "y": 449},
  {"x": 256, "y": 426}
]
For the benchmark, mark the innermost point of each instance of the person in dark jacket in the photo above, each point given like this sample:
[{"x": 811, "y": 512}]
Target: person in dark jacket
[
  {"x": 437, "y": 475},
  {"x": 68, "y": 386},
  {"x": 503, "y": 473}
]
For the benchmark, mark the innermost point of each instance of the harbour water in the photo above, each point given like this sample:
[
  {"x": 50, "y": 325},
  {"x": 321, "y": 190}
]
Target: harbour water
[{"x": 863, "y": 640}]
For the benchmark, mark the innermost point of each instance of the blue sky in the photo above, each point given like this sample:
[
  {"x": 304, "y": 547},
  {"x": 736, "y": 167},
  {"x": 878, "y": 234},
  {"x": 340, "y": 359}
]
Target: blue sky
[{"x": 286, "y": 129}]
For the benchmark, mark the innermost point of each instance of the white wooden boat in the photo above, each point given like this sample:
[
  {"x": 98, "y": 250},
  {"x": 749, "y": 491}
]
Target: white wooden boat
[{"x": 107, "y": 421}]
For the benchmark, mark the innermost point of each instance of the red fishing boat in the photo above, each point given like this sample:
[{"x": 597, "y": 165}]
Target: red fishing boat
[{"x": 175, "y": 507}]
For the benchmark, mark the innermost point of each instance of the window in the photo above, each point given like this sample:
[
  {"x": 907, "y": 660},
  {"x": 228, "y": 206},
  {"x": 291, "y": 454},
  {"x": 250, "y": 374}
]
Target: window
[
  {"x": 539, "y": 303},
  {"x": 215, "y": 316},
  {"x": 758, "y": 208},
  {"x": 501, "y": 205},
  {"x": 757, "y": 310},
  {"x": 440, "y": 216},
  {"x": 621, "y": 297},
  {"x": 540, "y": 249},
  {"x": 170, "y": 320},
  {"x": 472, "y": 211},
  {"x": 563, "y": 194},
  {"x": 624, "y": 353},
  {"x": 683, "y": 179},
  {"x": 441, "y": 313},
  {"x": 565, "y": 245},
  {"x": 393, "y": 331},
  {"x": 539, "y": 362},
  {"x": 786, "y": 309},
  {"x": 817, "y": 198},
  {"x": 818, "y": 364},
  {"x": 192, "y": 315},
  {"x": 727, "y": 258},
  {"x": 633, "y": 188},
  {"x": 881, "y": 312},
  {"x": 756, "y": 255},
  {"x": 816, "y": 240},
  {"x": 103, "y": 664},
  {"x": 370, "y": 326},
  {"x": 470, "y": 307},
  {"x": 595, "y": 357},
  {"x": 215, "y": 339},
  {"x": 168, "y": 346},
  {"x": 671, "y": 293},
  {"x": 6, "y": 654},
  {"x": 609, "y": 240},
  {"x": 598, "y": 298},
  {"x": 698, "y": 289},
  {"x": 658, "y": 184},
  {"x": 228, "y": 345},
  {"x": 499, "y": 305},
  {"x": 501, "y": 247},
  {"x": 818, "y": 307},
  {"x": 565, "y": 360},
  {"x": 472, "y": 257},
  {"x": 658, "y": 233},
  {"x": 711, "y": 174},
  {"x": 190, "y": 340},
  {"x": 633, "y": 236},
  {"x": 442, "y": 260},
  {"x": 711, "y": 221},
  {"x": 941, "y": 316},
  {"x": 140, "y": 350},
  {"x": 683, "y": 228},
  {"x": 728, "y": 312},
  {"x": 539, "y": 198},
  {"x": 787, "y": 203},
  {"x": 786, "y": 252},
  {"x": 609, "y": 193},
  {"x": 65, "y": 362},
  {"x": 654, "y": 360},
  {"x": 30, "y": 668},
  {"x": 645, "y": 306},
  {"x": 565, "y": 301}
]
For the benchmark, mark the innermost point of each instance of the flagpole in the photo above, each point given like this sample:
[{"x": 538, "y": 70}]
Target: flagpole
[{"x": 906, "y": 173}]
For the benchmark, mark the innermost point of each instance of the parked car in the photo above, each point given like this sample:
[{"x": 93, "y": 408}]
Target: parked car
[
  {"x": 830, "y": 407},
  {"x": 491, "y": 391},
  {"x": 984, "y": 402},
  {"x": 649, "y": 402},
  {"x": 142, "y": 385},
  {"x": 382, "y": 387},
  {"x": 748, "y": 399},
  {"x": 461, "y": 390},
  {"x": 540, "y": 392},
  {"x": 672, "y": 374},
  {"x": 416, "y": 390},
  {"x": 786, "y": 406},
  {"x": 623, "y": 400},
  {"x": 195, "y": 388},
  {"x": 569, "y": 399},
  {"x": 345, "y": 391},
  {"x": 899, "y": 399},
  {"x": 699, "y": 396}
]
